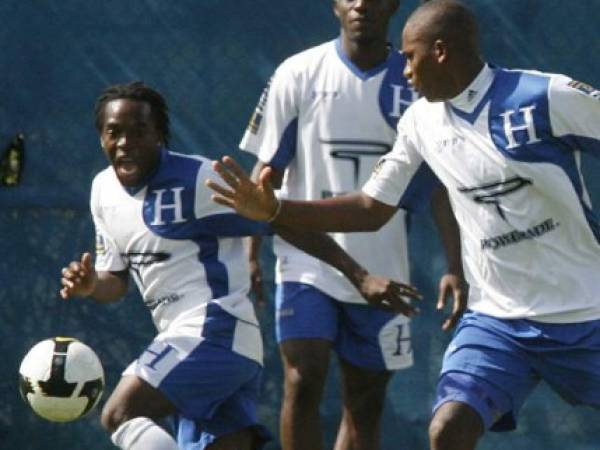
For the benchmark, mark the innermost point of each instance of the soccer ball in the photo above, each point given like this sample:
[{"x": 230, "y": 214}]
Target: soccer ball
[{"x": 61, "y": 379}]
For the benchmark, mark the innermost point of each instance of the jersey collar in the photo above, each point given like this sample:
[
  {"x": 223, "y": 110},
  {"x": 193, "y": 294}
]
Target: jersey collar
[
  {"x": 468, "y": 100},
  {"x": 362, "y": 74}
]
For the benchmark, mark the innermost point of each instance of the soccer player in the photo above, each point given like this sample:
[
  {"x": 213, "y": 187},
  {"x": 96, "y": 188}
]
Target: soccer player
[
  {"x": 325, "y": 118},
  {"x": 155, "y": 221},
  {"x": 506, "y": 144}
]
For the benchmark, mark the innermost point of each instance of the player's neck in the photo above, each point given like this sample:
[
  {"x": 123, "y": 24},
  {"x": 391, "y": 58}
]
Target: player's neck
[
  {"x": 470, "y": 69},
  {"x": 366, "y": 54}
]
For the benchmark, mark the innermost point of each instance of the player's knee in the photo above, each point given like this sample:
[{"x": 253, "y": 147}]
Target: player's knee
[
  {"x": 438, "y": 432},
  {"x": 305, "y": 385},
  {"x": 454, "y": 427},
  {"x": 364, "y": 392},
  {"x": 365, "y": 406},
  {"x": 113, "y": 416}
]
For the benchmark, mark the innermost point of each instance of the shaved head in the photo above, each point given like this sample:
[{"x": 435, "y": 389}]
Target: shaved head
[
  {"x": 447, "y": 20},
  {"x": 441, "y": 43}
]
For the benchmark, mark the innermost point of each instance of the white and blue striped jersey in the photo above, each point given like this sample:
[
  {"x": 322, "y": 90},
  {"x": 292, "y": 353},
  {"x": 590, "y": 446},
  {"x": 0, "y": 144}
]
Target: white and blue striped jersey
[
  {"x": 326, "y": 123},
  {"x": 183, "y": 250},
  {"x": 508, "y": 150}
]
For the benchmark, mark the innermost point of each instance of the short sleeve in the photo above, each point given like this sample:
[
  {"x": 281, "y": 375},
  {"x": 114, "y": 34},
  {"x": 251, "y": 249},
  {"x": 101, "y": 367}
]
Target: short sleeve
[
  {"x": 272, "y": 131},
  {"x": 401, "y": 178},
  {"x": 575, "y": 113},
  {"x": 108, "y": 255}
]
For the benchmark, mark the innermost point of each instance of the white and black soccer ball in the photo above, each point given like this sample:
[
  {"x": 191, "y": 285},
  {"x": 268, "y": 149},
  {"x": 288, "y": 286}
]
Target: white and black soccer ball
[{"x": 61, "y": 379}]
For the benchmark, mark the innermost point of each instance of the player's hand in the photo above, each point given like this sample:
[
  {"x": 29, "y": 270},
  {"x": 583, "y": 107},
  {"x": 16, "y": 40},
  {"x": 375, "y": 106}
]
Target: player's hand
[
  {"x": 255, "y": 201},
  {"x": 455, "y": 286},
  {"x": 389, "y": 295},
  {"x": 79, "y": 278}
]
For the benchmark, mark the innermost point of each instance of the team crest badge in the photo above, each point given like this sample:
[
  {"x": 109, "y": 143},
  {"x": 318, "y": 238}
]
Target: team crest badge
[{"x": 585, "y": 88}]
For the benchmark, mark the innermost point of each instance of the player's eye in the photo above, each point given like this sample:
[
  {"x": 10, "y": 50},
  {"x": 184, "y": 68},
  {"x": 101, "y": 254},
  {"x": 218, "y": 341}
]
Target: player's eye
[{"x": 140, "y": 130}]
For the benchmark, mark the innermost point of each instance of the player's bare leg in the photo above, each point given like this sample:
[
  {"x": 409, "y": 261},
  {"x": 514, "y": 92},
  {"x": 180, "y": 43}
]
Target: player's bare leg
[
  {"x": 455, "y": 426},
  {"x": 134, "y": 397},
  {"x": 240, "y": 440},
  {"x": 305, "y": 363},
  {"x": 363, "y": 401},
  {"x": 131, "y": 413}
]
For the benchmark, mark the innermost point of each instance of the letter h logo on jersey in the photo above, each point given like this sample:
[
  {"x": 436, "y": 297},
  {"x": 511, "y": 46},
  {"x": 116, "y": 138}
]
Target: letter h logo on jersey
[
  {"x": 402, "y": 98},
  {"x": 511, "y": 130},
  {"x": 168, "y": 200}
]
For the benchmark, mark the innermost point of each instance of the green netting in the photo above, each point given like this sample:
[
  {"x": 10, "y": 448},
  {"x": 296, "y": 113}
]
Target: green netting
[{"x": 211, "y": 59}]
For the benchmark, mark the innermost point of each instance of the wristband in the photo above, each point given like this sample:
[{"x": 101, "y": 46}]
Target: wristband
[{"x": 277, "y": 211}]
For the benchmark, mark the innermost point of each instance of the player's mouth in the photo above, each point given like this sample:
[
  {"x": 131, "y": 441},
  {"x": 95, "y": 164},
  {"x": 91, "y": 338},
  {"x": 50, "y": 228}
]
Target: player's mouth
[
  {"x": 360, "y": 23},
  {"x": 127, "y": 169}
]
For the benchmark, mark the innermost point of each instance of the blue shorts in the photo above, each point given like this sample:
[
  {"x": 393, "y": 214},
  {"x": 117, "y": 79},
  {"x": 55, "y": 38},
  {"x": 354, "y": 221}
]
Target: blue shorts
[
  {"x": 364, "y": 336},
  {"x": 214, "y": 389},
  {"x": 493, "y": 364}
]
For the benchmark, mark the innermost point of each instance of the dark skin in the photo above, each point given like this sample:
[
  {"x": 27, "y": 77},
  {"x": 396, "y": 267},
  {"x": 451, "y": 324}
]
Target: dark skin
[
  {"x": 132, "y": 144},
  {"x": 441, "y": 64},
  {"x": 363, "y": 31},
  {"x": 363, "y": 34},
  {"x": 346, "y": 213}
]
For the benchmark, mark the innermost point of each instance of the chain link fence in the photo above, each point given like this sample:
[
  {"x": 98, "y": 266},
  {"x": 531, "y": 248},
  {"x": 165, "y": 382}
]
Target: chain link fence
[{"x": 211, "y": 59}]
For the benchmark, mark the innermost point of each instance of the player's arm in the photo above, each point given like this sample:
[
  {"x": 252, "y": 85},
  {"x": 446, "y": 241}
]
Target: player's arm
[
  {"x": 378, "y": 291},
  {"x": 257, "y": 201},
  {"x": 80, "y": 279},
  {"x": 452, "y": 284},
  {"x": 255, "y": 242}
]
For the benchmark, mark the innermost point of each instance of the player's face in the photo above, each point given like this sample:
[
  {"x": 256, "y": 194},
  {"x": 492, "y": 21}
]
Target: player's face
[
  {"x": 424, "y": 66},
  {"x": 131, "y": 140},
  {"x": 365, "y": 20}
]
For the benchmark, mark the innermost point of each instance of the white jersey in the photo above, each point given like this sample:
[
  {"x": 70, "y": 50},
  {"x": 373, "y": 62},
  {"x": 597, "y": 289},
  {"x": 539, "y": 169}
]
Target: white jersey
[
  {"x": 508, "y": 150},
  {"x": 326, "y": 123},
  {"x": 183, "y": 250}
]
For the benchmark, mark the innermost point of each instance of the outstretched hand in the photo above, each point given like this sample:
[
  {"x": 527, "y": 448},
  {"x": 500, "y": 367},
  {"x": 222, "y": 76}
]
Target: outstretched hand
[
  {"x": 455, "y": 286},
  {"x": 79, "y": 278},
  {"x": 389, "y": 295},
  {"x": 255, "y": 201}
]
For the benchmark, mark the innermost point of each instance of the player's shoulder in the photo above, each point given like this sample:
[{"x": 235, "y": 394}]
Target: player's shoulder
[
  {"x": 183, "y": 157},
  {"x": 513, "y": 86},
  {"x": 421, "y": 106},
  {"x": 542, "y": 78},
  {"x": 185, "y": 166},
  {"x": 305, "y": 59},
  {"x": 565, "y": 86},
  {"x": 105, "y": 177},
  {"x": 105, "y": 188},
  {"x": 559, "y": 85}
]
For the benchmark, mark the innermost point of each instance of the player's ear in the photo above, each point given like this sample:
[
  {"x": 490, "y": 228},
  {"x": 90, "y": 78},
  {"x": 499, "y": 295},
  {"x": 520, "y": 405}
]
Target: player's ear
[
  {"x": 334, "y": 5},
  {"x": 440, "y": 50}
]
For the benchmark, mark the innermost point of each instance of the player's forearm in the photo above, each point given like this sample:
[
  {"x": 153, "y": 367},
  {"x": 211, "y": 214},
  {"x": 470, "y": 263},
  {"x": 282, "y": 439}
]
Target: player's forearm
[
  {"x": 448, "y": 231},
  {"x": 346, "y": 213},
  {"x": 110, "y": 287},
  {"x": 323, "y": 247},
  {"x": 254, "y": 243}
]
